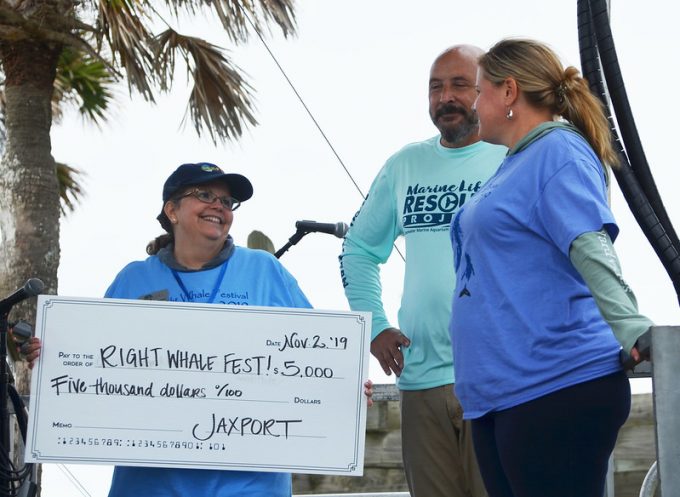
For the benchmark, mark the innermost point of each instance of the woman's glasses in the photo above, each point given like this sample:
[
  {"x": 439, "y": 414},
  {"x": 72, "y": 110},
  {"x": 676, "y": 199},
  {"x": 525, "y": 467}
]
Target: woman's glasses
[{"x": 208, "y": 197}]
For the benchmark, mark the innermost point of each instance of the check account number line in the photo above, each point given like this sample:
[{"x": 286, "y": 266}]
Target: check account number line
[{"x": 119, "y": 428}]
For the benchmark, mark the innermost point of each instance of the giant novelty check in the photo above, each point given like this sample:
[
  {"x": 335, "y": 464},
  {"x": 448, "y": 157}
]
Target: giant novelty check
[{"x": 141, "y": 383}]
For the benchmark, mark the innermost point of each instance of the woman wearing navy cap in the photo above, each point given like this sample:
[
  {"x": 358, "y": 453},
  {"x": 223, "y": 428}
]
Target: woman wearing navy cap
[{"x": 196, "y": 261}]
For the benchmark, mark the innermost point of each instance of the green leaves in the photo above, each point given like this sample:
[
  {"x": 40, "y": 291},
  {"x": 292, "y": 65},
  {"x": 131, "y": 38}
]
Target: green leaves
[
  {"x": 84, "y": 80},
  {"x": 70, "y": 187}
]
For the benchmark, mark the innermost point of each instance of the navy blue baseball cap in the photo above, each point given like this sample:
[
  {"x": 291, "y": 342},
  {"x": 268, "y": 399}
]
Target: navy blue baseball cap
[{"x": 197, "y": 174}]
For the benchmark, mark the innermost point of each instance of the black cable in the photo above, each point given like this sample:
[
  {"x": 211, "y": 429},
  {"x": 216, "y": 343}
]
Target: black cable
[
  {"x": 643, "y": 209},
  {"x": 9, "y": 473},
  {"x": 617, "y": 92},
  {"x": 665, "y": 242},
  {"x": 592, "y": 71},
  {"x": 19, "y": 411}
]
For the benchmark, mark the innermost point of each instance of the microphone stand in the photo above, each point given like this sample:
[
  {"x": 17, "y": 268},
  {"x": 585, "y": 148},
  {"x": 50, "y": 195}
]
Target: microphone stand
[{"x": 291, "y": 241}]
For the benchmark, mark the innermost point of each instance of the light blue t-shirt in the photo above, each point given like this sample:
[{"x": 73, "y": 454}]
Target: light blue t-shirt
[
  {"x": 251, "y": 277},
  {"x": 415, "y": 195},
  {"x": 524, "y": 323}
]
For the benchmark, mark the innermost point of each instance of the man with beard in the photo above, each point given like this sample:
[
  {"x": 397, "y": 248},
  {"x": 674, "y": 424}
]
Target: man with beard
[{"x": 416, "y": 194}]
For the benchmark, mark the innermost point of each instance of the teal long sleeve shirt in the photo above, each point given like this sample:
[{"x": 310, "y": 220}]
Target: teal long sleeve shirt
[{"x": 415, "y": 195}]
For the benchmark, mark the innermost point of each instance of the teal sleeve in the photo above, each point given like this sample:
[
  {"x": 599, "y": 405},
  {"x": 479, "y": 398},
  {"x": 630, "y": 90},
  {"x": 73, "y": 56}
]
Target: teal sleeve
[
  {"x": 368, "y": 244},
  {"x": 594, "y": 257}
]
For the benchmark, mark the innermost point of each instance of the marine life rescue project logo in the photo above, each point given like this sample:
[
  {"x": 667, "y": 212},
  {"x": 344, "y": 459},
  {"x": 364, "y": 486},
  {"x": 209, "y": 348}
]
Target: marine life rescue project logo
[{"x": 430, "y": 208}]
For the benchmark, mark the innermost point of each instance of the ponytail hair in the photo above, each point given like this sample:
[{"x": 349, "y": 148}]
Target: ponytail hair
[
  {"x": 159, "y": 242},
  {"x": 547, "y": 85},
  {"x": 167, "y": 238}
]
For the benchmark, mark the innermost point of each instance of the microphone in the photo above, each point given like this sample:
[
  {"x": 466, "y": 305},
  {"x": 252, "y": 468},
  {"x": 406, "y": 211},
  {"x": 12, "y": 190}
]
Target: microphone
[
  {"x": 31, "y": 288},
  {"x": 337, "y": 229}
]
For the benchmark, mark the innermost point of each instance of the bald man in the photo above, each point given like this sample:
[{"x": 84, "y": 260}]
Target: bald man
[{"x": 415, "y": 195}]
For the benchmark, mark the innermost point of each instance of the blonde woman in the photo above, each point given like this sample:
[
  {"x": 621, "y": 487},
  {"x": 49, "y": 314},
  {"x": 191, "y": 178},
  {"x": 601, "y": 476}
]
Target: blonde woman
[{"x": 539, "y": 301}]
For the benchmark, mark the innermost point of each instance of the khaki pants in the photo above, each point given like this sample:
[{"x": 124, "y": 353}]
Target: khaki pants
[{"x": 439, "y": 459}]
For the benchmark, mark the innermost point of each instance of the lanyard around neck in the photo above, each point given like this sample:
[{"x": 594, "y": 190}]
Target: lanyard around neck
[{"x": 213, "y": 294}]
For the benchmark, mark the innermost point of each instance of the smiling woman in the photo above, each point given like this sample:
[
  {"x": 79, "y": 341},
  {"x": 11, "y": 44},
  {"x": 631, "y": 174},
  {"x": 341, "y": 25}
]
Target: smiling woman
[
  {"x": 196, "y": 225},
  {"x": 196, "y": 261}
]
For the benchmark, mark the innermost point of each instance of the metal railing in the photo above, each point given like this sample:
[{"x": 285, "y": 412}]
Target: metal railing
[{"x": 666, "y": 394}]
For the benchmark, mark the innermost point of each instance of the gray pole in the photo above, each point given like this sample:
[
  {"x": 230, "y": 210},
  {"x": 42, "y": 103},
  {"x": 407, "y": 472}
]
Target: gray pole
[{"x": 665, "y": 362}]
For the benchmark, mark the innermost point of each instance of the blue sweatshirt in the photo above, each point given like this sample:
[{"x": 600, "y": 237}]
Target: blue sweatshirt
[
  {"x": 524, "y": 323},
  {"x": 251, "y": 277}
]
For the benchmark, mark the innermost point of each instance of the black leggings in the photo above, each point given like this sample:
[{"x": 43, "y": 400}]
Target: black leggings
[{"x": 554, "y": 446}]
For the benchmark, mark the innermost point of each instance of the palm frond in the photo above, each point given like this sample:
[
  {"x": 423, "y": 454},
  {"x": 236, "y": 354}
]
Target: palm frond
[
  {"x": 70, "y": 187},
  {"x": 236, "y": 15},
  {"x": 84, "y": 80},
  {"x": 129, "y": 40},
  {"x": 220, "y": 98},
  {"x": 189, "y": 6}
]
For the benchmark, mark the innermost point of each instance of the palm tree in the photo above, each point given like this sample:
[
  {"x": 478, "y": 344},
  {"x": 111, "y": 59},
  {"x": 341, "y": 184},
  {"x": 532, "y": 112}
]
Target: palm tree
[
  {"x": 82, "y": 82},
  {"x": 36, "y": 34}
]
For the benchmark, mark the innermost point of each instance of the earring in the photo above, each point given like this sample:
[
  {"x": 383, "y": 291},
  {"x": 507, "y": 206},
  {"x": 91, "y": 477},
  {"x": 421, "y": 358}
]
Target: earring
[
  {"x": 509, "y": 115},
  {"x": 173, "y": 220}
]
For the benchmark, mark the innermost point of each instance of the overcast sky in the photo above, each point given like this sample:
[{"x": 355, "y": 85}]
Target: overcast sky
[{"x": 361, "y": 67}]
